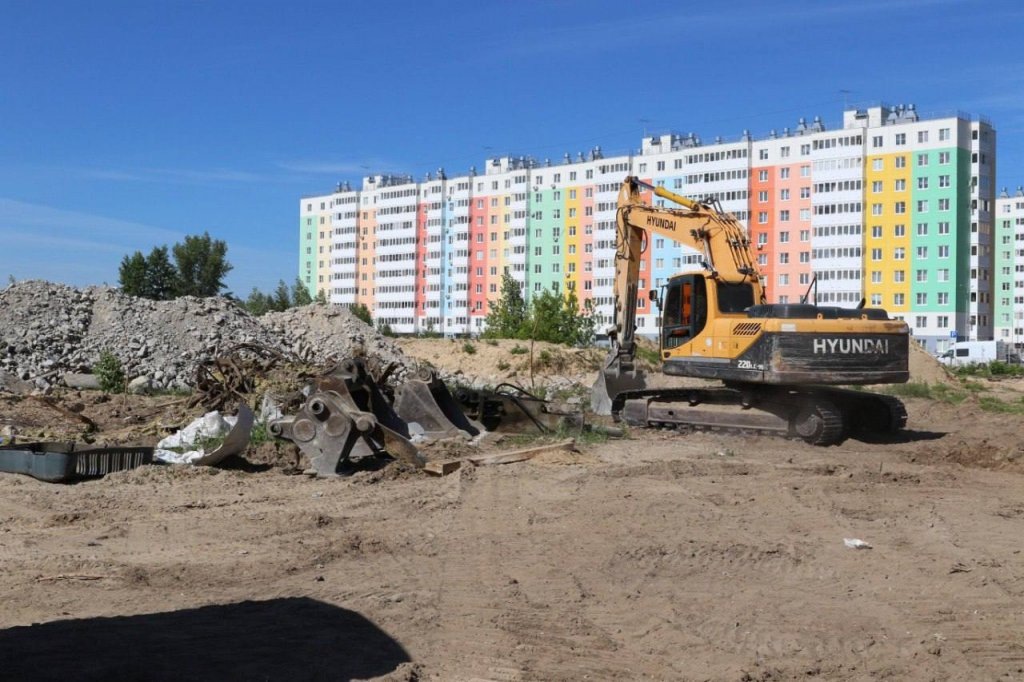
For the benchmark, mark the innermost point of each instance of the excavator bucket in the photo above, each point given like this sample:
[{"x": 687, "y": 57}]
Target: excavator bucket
[
  {"x": 612, "y": 380},
  {"x": 424, "y": 401},
  {"x": 346, "y": 418}
]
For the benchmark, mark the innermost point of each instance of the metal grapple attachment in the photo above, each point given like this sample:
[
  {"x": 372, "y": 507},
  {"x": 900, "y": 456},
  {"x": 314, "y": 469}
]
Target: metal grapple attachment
[{"x": 346, "y": 418}]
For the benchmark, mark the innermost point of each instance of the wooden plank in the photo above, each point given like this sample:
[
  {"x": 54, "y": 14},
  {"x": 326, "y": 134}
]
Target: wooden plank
[
  {"x": 442, "y": 467},
  {"x": 522, "y": 455}
]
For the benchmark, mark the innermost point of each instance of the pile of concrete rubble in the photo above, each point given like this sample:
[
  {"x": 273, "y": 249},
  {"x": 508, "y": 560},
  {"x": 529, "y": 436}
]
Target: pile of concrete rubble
[{"x": 49, "y": 331}]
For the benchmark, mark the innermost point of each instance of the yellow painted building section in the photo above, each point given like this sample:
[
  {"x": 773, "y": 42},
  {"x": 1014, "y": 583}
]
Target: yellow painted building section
[
  {"x": 322, "y": 282},
  {"x": 366, "y": 265},
  {"x": 887, "y": 229},
  {"x": 573, "y": 244}
]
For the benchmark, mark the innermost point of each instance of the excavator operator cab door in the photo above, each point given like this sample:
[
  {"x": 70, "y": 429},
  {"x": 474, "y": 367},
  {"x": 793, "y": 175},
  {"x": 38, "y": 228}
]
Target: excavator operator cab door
[{"x": 684, "y": 310}]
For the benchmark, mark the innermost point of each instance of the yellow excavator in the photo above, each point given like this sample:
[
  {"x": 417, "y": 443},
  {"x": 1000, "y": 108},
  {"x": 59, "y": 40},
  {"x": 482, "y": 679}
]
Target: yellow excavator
[{"x": 782, "y": 365}]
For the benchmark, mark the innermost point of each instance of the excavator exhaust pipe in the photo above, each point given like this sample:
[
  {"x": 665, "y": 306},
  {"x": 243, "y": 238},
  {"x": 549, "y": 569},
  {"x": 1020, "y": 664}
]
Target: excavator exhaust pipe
[{"x": 615, "y": 378}]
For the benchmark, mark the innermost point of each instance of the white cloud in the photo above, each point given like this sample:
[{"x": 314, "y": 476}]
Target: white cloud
[{"x": 43, "y": 242}]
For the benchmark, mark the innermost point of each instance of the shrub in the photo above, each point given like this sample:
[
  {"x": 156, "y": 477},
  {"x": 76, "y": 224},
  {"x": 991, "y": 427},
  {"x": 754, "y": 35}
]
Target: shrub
[
  {"x": 110, "y": 373},
  {"x": 518, "y": 350},
  {"x": 468, "y": 348}
]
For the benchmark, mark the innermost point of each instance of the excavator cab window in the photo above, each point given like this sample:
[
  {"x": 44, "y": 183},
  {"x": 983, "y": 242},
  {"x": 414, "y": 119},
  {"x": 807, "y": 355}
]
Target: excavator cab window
[
  {"x": 735, "y": 298},
  {"x": 684, "y": 312}
]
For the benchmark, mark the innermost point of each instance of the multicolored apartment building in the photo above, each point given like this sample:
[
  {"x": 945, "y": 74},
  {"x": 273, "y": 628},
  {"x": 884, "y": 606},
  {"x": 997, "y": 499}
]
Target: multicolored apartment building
[
  {"x": 893, "y": 208},
  {"x": 1009, "y": 267}
]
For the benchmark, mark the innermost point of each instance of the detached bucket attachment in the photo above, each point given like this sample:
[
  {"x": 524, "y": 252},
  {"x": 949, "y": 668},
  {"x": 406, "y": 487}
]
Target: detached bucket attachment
[
  {"x": 615, "y": 378},
  {"x": 346, "y": 418},
  {"x": 424, "y": 401}
]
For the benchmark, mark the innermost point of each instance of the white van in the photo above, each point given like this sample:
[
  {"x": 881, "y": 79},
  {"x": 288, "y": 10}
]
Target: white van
[{"x": 975, "y": 352}]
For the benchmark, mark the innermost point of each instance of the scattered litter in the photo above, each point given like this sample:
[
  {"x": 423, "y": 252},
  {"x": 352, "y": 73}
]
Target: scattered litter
[
  {"x": 854, "y": 543},
  {"x": 960, "y": 567},
  {"x": 212, "y": 426}
]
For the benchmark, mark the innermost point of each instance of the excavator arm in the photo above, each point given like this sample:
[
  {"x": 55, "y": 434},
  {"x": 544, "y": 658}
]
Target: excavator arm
[
  {"x": 717, "y": 235},
  {"x": 720, "y": 238}
]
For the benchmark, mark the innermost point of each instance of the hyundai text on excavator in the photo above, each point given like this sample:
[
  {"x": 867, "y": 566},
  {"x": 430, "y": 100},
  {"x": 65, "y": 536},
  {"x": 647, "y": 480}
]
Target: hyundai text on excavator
[{"x": 782, "y": 364}]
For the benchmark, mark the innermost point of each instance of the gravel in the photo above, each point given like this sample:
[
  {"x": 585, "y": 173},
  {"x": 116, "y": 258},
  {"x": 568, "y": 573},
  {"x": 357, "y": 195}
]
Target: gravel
[{"x": 48, "y": 330}]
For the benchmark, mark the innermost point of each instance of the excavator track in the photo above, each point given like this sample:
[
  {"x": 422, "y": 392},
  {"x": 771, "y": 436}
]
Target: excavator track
[{"x": 817, "y": 415}]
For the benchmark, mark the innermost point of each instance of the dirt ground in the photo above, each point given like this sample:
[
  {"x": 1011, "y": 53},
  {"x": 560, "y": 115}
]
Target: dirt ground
[{"x": 662, "y": 556}]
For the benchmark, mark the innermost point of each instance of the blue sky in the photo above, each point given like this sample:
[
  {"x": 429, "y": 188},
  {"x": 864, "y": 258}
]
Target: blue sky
[{"x": 128, "y": 125}]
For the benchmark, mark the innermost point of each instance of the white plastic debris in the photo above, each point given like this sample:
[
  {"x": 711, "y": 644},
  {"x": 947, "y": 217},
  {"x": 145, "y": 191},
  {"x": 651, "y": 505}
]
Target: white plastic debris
[
  {"x": 855, "y": 543},
  {"x": 234, "y": 430}
]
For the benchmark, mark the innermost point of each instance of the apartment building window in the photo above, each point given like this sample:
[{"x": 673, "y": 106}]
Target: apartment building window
[
  {"x": 783, "y": 173},
  {"x": 943, "y": 181},
  {"x": 762, "y": 217},
  {"x": 805, "y": 192},
  {"x": 922, "y": 252},
  {"x": 922, "y": 183},
  {"x": 943, "y": 158},
  {"x": 783, "y": 280},
  {"x": 922, "y": 136},
  {"x": 901, "y": 139},
  {"x": 943, "y": 204},
  {"x": 762, "y": 197},
  {"x": 900, "y": 185},
  {"x": 805, "y": 149},
  {"x": 762, "y": 259},
  {"x": 784, "y": 216},
  {"x": 922, "y": 206},
  {"x": 898, "y": 299},
  {"x": 901, "y": 162},
  {"x": 876, "y": 209},
  {"x": 876, "y": 231},
  {"x": 900, "y": 207},
  {"x": 922, "y": 299},
  {"x": 921, "y": 275},
  {"x": 876, "y": 299},
  {"x": 876, "y": 276},
  {"x": 805, "y": 256},
  {"x": 784, "y": 152},
  {"x": 943, "y": 251},
  {"x": 898, "y": 276},
  {"x": 805, "y": 214},
  {"x": 877, "y": 164},
  {"x": 876, "y": 254},
  {"x": 661, "y": 165},
  {"x": 805, "y": 235},
  {"x": 763, "y": 155},
  {"x": 783, "y": 258},
  {"x": 784, "y": 195},
  {"x": 943, "y": 299},
  {"x": 943, "y": 227},
  {"x": 783, "y": 237},
  {"x": 805, "y": 278},
  {"x": 876, "y": 141},
  {"x": 922, "y": 159},
  {"x": 762, "y": 176},
  {"x": 762, "y": 238},
  {"x": 899, "y": 231},
  {"x": 943, "y": 134},
  {"x": 805, "y": 171},
  {"x": 876, "y": 186},
  {"x": 899, "y": 253},
  {"x": 942, "y": 274}
]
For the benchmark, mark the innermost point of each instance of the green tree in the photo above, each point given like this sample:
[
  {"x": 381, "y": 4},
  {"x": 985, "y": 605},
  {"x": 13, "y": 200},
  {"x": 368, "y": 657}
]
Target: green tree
[
  {"x": 300, "y": 294},
  {"x": 132, "y": 275},
  {"x": 161, "y": 277},
  {"x": 202, "y": 265},
  {"x": 507, "y": 316},
  {"x": 281, "y": 299},
  {"x": 362, "y": 313},
  {"x": 258, "y": 302},
  {"x": 321, "y": 297}
]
